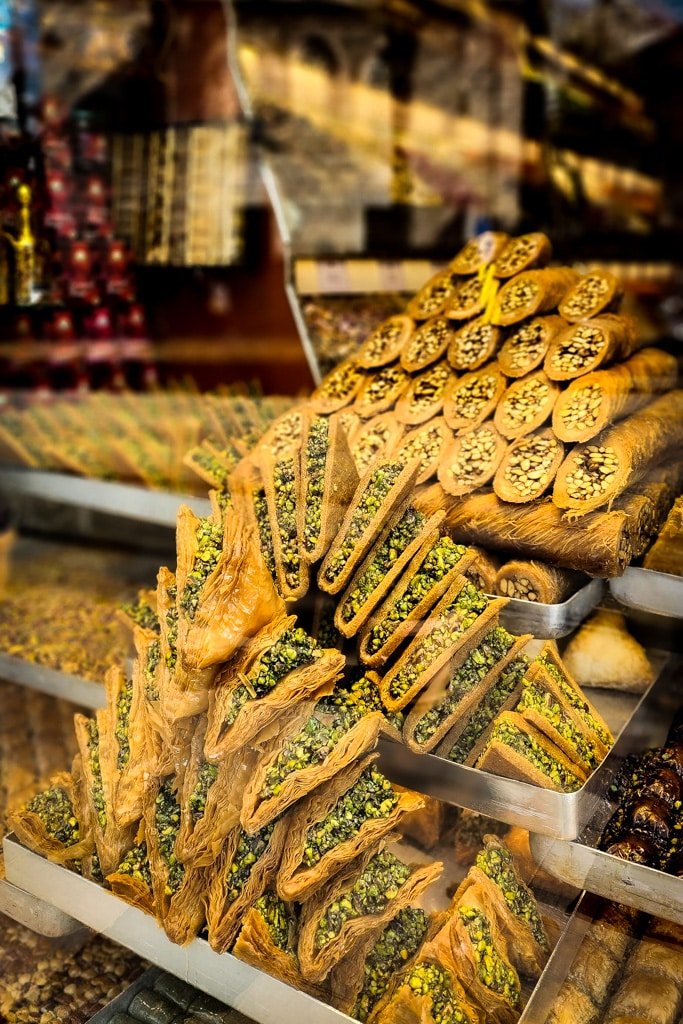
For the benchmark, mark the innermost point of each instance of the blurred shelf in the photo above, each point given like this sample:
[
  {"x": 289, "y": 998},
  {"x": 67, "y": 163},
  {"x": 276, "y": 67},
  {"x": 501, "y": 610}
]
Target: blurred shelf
[{"x": 48, "y": 680}]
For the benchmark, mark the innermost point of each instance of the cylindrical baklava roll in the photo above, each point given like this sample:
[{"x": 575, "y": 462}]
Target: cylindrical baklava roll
[
  {"x": 374, "y": 440},
  {"x": 425, "y": 395},
  {"x": 474, "y": 344},
  {"x": 380, "y": 390},
  {"x": 597, "y": 545},
  {"x": 526, "y": 405},
  {"x": 479, "y": 252},
  {"x": 536, "y": 581},
  {"x": 425, "y": 444},
  {"x": 284, "y": 433},
  {"x": 528, "y": 467},
  {"x": 594, "y": 293},
  {"x": 584, "y": 347},
  {"x": 597, "y": 400},
  {"x": 530, "y": 293},
  {"x": 338, "y": 388},
  {"x": 471, "y": 399},
  {"x": 471, "y": 459},
  {"x": 427, "y": 344},
  {"x": 433, "y": 296},
  {"x": 525, "y": 349},
  {"x": 468, "y": 299},
  {"x": 522, "y": 253},
  {"x": 594, "y": 475},
  {"x": 383, "y": 345}
]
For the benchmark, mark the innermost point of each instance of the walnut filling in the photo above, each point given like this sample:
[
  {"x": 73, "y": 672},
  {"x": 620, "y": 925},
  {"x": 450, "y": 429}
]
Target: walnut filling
[
  {"x": 519, "y": 294},
  {"x": 285, "y": 433},
  {"x": 467, "y": 299},
  {"x": 594, "y": 469},
  {"x": 378, "y": 884},
  {"x": 316, "y": 462},
  {"x": 387, "y": 383},
  {"x": 493, "y": 970},
  {"x": 167, "y": 821},
  {"x": 341, "y": 383},
  {"x": 472, "y": 343},
  {"x": 583, "y": 408},
  {"x": 430, "y": 299},
  {"x": 523, "y": 403},
  {"x": 399, "y": 941},
  {"x": 56, "y": 813},
  {"x": 382, "y": 340},
  {"x": 578, "y": 349},
  {"x": 424, "y": 444},
  {"x": 468, "y": 399},
  {"x": 136, "y": 864},
  {"x": 516, "y": 255},
  {"x": 428, "y": 388},
  {"x": 480, "y": 719},
  {"x": 370, "y": 445},
  {"x": 528, "y": 465},
  {"x": 441, "y": 558}
]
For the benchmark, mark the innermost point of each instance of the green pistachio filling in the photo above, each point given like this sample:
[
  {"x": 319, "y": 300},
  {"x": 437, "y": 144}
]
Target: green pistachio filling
[
  {"x": 316, "y": 461},
  {"x": 537, "y": 699},
  {"x": 328, "y": 634},
  {"x": 453, "y": 622},
  {"x": 284, "y": 482},
  {"x": 494, "y": 972},
  {"x": 399, "y": 941},
  {"x": 123, "y": 706},
  {"x": 403, "y": 534},
  {"x": 55, "y": 810},
  {"x": 441, "y": 558},
  {"x": 481, "y": 717},
  {"x": 376, "y": 491},
  {"x": 497, "y": 863},
  {"x": 249, "y": 850},
  {"x": 206, "y": 777},
  {"x": 377, "y": 885},
  {"x": 265, "y": 534},
  {"x": 151, "y": 664},
  {"x": 371, "y": 797},
  {"x": 224, "y": 499},
  {"x": 209, "y": 539},
  {"x": 143, "y": 614},
  {"x": 474, "y": 668},
  {"x": 167, "y": 819},
  {"x": 429, "y": 979},
  {"x": 212, "y": 466},
  {"x": 536, "y": 755},
  {"x": 280, "y": 921},
  {"x": 97, "y": 787},
  {"x": 172, "y": 627},
  {"x": 311, "y": 746},
  {"x": 95, "y": 868},
  {"x": 574, "y": 699},
  {"x": 293, "y": 650},
  {"x": 136, "y": 864},
  {"x": 364, "y": 693}
]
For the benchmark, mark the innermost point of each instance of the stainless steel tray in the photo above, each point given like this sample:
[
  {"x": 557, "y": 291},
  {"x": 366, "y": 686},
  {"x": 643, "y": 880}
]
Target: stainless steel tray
[
  {"x": 123, "y": 1000},
  {"x": 551, "y": 621},
  {"x": 48, "y": 680},
  {"x": 39, "y": 916},
  {"x": 584, "y": 866},
  {"x": 125, "y": 500},
  {"x": 649, "y": 591},
  {"x": 558, "y": 815}
]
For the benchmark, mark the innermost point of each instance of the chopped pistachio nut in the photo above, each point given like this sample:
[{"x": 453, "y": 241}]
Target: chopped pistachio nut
[
  {"x": 476, "y": 665},
  {"x": 96, "y": 868},
  {"x": 207, "y": 461},
  {"x": 377, "y": 885},
  {"x": 364, "y": 693},
  {"x": 399, "y": 941},
  {"x": 538, "y": 699},
  {"x": 429, "y": 979},
  {"x": 264, "y": 531},
  {"x": 167, "y": 819},
  {"x": 151, "y": 663},
  {"x": 537, "y": 755},
  {"x": 279, "y": 919},
  {"x": 328, "y": 634},
  {"x": 136, "y": 864},
  {"x": 316, "y": 462},
  {"x": 453, "y": 622},
  {"x": 142, "y": 614},
  {"x": 294, "y": 649},
  {"x": 97, "y": 787},
  {"x": 376, "y": 491},
  {"x": 493, "y": 970},
  {"x": 123, "y": 706},
  {"x": 443, "y": 556},
  {"x": 209, "y": 538},
  {"x": 497, "y": 863},
  {"x": 371, "y": 797},
  {"x": 575, "y": 699},
  {"x": 205, "y": 779},
  {"x": 55, "y": 810},
  {"x": 481, "y": 717},
  {"x": 172, "y": 633},
  {"x": 396, "y": 542},
  {"x": 249, "y": 850},
  {"x": 284, "y": 482}
]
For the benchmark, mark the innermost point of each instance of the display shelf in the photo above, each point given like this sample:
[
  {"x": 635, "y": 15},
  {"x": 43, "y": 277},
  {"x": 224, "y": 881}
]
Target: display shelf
[
  {"x": 544, "y": 811},
  {"x": 48, "y": 680},
  {"x": 649, "y": 591},
  {"x": 124, "y": 500},
  {"x": 552, "y": 621},
  {"x": 39, "y": 916}
]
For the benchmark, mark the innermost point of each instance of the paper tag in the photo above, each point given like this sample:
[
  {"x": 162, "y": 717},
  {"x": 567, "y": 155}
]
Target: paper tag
[
  {"x": 392, "y": 277},
  {"x": 333, "y": 277}
]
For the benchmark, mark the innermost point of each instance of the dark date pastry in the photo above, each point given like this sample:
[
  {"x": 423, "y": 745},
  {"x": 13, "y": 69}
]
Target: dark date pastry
[
  {"x": 663, "y": 784},
  {"x": 635, "y": 848},
  {"x": 651, "y": 817},
  {"x": 672, "y": 757},
  {"x": 615, "y": 828},
  {"x": 632, "y": 773}
]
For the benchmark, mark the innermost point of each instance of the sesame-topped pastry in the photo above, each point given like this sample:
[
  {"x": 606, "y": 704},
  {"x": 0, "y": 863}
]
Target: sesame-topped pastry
[
  {"x": 427, "y": 344},
  {"x": 522, "y": 253},
  {"x": 383, "y": 345},
  {"x": 597, "y": 292}
]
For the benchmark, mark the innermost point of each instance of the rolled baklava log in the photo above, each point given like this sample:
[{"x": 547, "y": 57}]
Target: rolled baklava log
[
  {"x": 536, "y": 581},
  {"x": 525, "y": 349},
  {"x": 483, "y": 569},
  {"x": 425, "y": 395},
  {"x": 424, "y": 444},
  {"x": 596, "y": 292},
  {"x": 526, "y": 405},
  {"x": 384, "y": 344},
  {"x": 467, "y": 300},
  {"x": 599, "y": 399},
  {"x": 471, "y": 399},
  {"x": 599, "y": 544},
  {"x": 474, "y": 344},
  {"x": 374, "y": 440},
  {"x": 479, "y": 252},
  {"x": 471, "y": 459},
  {"x": 339, "y": 387},
  {"x": 528, "y": 467},
  {"x": 530, "y": 293},
  {"x": 584, "y": 347},
  {"x": 380, "y": 391},
  {"x": 522, "y": 253},
  {"x": 427, "y": 344},
  {"x": 433, "y": 296},
  {"x": 594, "y": 475}
]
